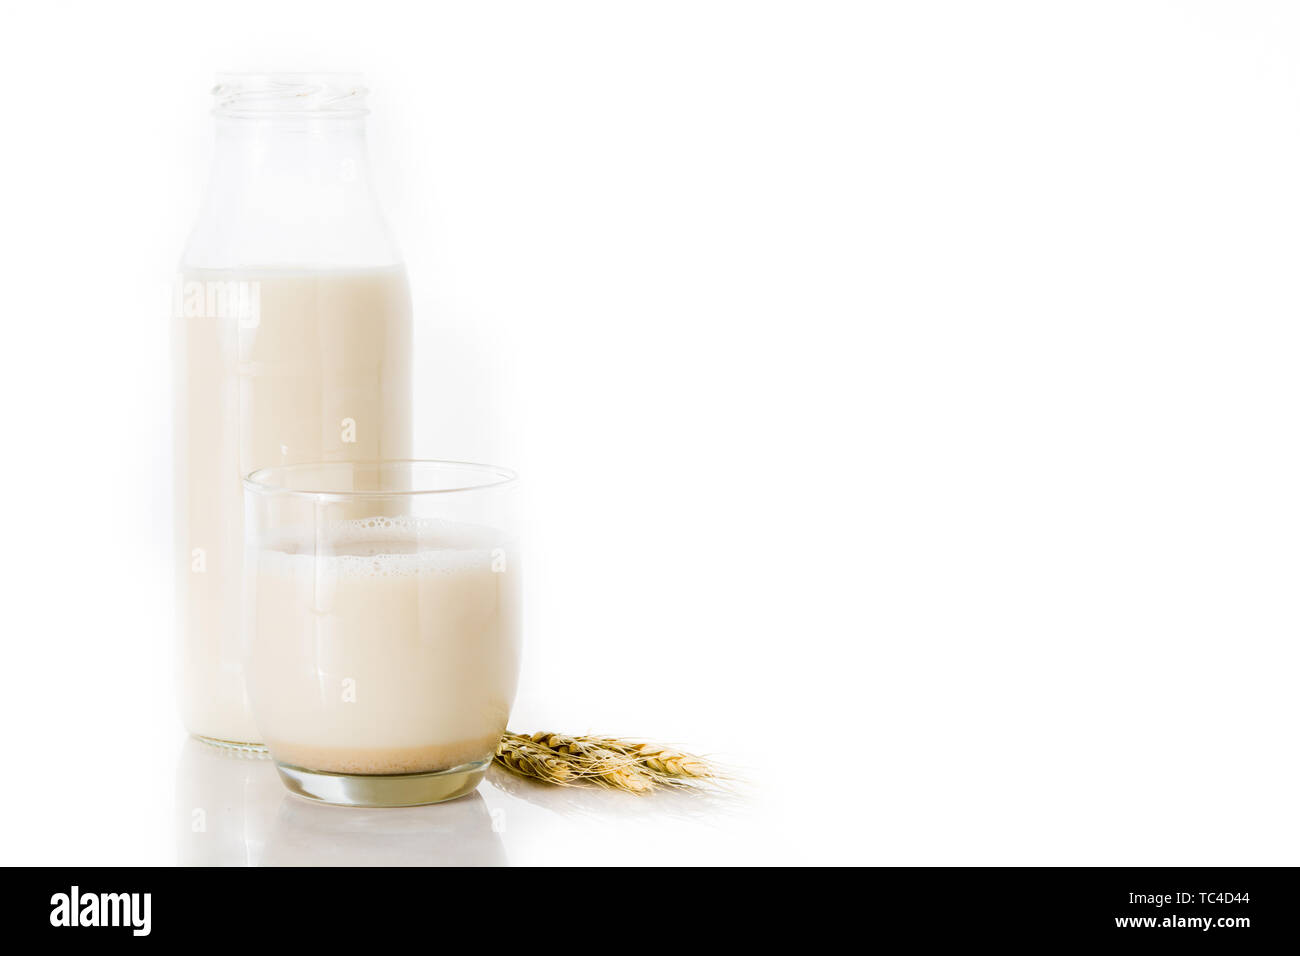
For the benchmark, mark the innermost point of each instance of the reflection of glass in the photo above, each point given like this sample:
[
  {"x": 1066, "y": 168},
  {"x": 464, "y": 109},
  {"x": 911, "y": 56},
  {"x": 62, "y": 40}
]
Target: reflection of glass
[
  {"x": 383, "y": 635},
  {"x": 458, "y": 833},
  {"x": 225, "y": 801},
  {"x": 231, "y": 810}
]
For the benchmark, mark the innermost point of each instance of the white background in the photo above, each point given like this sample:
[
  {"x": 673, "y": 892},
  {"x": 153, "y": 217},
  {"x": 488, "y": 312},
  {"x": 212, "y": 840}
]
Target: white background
[{"x": 906, "y": 396}]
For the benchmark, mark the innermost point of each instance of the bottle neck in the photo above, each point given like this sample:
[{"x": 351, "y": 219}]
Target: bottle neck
[
  {"x": 290, "y": 191},
  {"x": 327, "y": 155}
]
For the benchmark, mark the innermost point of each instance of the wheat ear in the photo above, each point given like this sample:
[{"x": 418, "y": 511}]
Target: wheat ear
[{"x": 613, "y": 762}]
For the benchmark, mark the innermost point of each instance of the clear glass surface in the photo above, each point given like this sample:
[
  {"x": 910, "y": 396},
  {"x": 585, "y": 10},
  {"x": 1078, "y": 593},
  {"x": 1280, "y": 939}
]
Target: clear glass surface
[{"x": 382, "y": 625}]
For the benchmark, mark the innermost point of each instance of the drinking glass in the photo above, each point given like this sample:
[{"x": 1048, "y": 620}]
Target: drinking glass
[{"x": 382, "y": 625}]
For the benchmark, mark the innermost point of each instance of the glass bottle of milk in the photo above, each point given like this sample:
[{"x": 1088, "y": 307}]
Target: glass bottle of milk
[{"x": 292, "y": 343}]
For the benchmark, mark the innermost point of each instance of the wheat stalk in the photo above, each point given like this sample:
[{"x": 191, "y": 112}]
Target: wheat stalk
[{"x": 612, "y": 762}]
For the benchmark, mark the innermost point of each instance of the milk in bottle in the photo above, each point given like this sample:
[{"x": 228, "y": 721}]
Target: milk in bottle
[{"x": 292, "y": 343}]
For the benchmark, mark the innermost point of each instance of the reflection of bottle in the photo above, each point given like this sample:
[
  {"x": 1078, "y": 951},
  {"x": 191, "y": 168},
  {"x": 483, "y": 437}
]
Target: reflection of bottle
[
  {"x": 457, "y": 833},
  {"x": 225, "y": 802},
  {"x": 292, "y": 343}
]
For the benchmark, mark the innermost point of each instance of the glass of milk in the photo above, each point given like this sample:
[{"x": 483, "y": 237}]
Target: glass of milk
[{"x": 381, "y": 625}]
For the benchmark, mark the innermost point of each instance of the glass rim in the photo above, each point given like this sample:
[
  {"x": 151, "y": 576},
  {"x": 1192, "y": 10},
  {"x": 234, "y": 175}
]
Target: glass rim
[{"x": 496, "y": 476}]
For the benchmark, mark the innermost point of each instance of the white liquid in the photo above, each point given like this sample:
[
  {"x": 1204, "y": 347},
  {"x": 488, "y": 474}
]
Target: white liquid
[
  {"x": 320, "y": 372},
  {"x": 394, "y": 651}
]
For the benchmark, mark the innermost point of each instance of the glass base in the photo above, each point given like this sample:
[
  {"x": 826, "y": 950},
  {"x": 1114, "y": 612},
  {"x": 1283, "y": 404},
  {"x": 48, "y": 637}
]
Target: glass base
[
  {"x": 383, "y": 790},
  {"x": 236, "y": 746}
]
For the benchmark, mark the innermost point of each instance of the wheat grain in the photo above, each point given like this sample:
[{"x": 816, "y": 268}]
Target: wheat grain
[{"x": 612, "y": 762}]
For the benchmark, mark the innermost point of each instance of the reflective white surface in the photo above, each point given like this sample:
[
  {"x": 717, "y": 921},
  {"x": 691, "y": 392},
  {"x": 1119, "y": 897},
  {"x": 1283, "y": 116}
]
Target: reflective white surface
[{"x": 231, "y": 810}]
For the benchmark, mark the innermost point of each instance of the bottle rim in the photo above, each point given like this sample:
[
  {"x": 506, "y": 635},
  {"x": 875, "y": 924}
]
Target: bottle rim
[{"x": 267, "y": 95}]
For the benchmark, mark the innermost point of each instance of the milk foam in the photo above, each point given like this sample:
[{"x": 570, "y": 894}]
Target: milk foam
[{"x": 385, "y": 546}]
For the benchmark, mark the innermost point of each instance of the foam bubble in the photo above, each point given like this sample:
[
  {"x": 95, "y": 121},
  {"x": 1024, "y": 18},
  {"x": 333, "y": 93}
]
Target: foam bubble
[{"x": 384, "y": 546}]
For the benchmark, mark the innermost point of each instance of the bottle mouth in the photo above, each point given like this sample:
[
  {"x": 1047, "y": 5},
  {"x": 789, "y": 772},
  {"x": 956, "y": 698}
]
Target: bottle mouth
[{"x": 252, "y": 95}]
